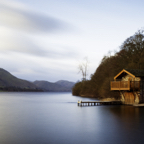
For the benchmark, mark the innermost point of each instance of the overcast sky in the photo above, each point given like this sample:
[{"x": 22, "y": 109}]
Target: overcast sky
[{"x": 47, "y": 39}]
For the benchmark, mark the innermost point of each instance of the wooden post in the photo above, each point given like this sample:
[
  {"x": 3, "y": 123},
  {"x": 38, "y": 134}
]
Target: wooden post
[
  {"x": 129, "y": 84},
  {"x": 78, "y": 103},
  {"x": 119, "y": 85}
]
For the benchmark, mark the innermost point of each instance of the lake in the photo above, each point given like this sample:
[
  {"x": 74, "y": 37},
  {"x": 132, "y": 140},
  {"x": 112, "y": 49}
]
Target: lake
[{"x": 55, "y": 118}]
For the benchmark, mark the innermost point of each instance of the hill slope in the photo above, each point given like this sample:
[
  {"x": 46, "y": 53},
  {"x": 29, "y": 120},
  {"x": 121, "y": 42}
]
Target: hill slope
[
  {"x": 59, "y": 86},
  {"x": 10, "y": 82},
  {"x": 65, "y": 83}
]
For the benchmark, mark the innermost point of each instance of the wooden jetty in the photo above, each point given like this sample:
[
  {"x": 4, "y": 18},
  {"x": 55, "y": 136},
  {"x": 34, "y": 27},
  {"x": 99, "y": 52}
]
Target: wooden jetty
[{"x": 98, "y": 103}]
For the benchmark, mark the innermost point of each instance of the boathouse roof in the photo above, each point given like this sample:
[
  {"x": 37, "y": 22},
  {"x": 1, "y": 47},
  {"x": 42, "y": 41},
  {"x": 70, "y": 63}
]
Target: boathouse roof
[
  {"x": 136, "y": 72},
  {"x": 132, "y": 72}
]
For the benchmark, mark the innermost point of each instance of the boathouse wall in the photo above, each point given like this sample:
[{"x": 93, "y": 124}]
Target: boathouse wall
[{"x": 130, "y": 84}]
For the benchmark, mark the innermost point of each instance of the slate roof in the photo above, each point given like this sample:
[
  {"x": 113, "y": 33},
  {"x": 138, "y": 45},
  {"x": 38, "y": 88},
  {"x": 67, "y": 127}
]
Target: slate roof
[{"x": 136, "y": 72}]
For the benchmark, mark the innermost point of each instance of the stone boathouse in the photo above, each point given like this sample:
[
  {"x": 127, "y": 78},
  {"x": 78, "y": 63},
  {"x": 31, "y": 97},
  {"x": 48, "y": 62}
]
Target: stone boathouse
[{"x": 130, "y": 84}]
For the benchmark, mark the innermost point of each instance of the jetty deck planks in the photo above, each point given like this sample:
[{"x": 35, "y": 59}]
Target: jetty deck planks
[{"x": 98, "y": 103}]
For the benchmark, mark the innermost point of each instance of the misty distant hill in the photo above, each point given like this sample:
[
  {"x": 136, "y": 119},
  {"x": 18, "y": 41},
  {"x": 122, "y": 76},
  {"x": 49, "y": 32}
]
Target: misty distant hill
[
  {"x": 59, "y": 86},
  {"x": 65, "y": 83},
  {"x": 8, "y": 82}
]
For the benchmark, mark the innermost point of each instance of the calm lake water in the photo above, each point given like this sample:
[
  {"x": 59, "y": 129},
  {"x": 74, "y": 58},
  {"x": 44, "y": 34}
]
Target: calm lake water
[{"x": 55, "y": 118}]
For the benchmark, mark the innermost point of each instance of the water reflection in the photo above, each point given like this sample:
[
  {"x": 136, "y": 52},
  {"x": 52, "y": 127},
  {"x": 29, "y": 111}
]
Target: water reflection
[
  {"x": 131, "y": 121},
  {"x": 126, "y": 112},
  {"x": 54, "y": 118}
]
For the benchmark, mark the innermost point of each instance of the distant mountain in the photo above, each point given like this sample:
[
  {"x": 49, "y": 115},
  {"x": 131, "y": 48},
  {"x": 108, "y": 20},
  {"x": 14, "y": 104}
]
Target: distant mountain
[
  {"x": 65, "y": 83},
  {"x": 59, "y": 86},
  {"x": 8, "y": 82}
]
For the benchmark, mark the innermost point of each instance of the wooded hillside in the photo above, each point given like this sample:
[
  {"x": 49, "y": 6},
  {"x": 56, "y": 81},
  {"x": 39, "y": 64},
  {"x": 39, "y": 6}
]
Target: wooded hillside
[{"x": 129, "y": 56}]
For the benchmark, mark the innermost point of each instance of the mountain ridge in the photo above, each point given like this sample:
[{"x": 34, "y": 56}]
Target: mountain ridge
[
  {"x": 61, "y": 85},
  {"x": 9, "y": 82}
]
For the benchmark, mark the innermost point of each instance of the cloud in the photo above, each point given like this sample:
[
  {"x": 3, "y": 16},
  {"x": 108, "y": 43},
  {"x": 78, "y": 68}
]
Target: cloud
[
  {"x": 15, "y": 42},
  {"x": 21, "y": 43},
  {"x": 26, "y": 20},
  {"x": 18, "y": 26},
  {"x": 36, "y": 68},
  {"x": 29, "y": 46}
]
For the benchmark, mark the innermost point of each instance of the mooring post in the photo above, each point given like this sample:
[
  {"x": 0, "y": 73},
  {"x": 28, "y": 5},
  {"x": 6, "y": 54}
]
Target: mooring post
[{"x": 81, "y": 102}]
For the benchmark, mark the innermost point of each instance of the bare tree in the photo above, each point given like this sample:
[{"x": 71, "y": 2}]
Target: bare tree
[{"x": 83, "y": 68}]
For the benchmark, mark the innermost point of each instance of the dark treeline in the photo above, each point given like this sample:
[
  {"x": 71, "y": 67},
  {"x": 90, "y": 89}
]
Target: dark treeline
[
  {"x": 130, "y": 56},
  {"x": 18, "y": 89}
]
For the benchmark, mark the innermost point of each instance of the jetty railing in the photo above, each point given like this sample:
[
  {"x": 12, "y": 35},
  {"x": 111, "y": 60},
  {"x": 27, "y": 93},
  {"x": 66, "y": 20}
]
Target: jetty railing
[
  {"x": 125, "y": 85},
  {"x": 135, "y": 85}
]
